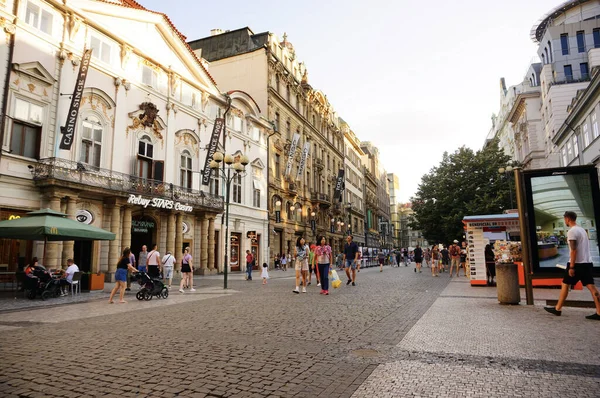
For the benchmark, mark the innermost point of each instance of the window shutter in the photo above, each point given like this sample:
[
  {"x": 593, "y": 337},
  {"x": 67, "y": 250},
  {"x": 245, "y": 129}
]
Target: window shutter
[{"x": 159, "y": 169}]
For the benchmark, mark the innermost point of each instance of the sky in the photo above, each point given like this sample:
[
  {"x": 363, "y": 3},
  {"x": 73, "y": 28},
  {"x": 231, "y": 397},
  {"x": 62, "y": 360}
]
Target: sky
[{"x": 415, "y": 78}]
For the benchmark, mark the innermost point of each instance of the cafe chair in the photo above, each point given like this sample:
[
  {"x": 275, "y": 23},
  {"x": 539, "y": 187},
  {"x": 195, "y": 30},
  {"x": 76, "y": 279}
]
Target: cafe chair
[{"x": 76, "y": 283}]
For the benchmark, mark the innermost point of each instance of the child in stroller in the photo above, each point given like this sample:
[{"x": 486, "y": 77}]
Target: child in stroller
[
  {"x": 150, "y": 287},
  {"x": 40, "y": 281}
]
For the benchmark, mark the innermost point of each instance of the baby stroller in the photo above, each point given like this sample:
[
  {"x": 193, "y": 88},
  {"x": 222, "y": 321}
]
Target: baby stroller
[
  {"x": 41, "y": 282},
  {"x": 150, "y": 287}
]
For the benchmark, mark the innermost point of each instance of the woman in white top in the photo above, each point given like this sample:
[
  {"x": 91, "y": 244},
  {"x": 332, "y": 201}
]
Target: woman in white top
[
  {"x": 301, "y": 265},
  {"x": 168, "y": 262},
  {"x": 284, "y": 262}
]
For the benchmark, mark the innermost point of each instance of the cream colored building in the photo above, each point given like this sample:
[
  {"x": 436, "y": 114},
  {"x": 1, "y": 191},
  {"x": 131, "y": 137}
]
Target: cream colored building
[
  {"x": 146, "y": 114},
  {"x": 267, "y": 68},
  {"x": 354, "y": 204},
  {"x": 394, "y": 191}
]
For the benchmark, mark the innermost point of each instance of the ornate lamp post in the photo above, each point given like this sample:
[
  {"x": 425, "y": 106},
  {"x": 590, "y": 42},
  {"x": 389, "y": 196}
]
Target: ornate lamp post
[{"x": 239, "y": 170}]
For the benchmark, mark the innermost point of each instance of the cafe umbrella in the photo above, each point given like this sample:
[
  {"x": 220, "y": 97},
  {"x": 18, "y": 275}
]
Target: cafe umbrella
[{"x": 50, "y": 226}]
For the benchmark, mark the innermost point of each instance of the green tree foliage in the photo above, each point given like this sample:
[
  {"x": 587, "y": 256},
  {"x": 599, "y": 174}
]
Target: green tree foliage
[{"x": 464, "y": 183}]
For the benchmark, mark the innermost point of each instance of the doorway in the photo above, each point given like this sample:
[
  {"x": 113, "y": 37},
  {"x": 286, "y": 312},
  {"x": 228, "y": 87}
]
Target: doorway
[
  {"x": 234, "y": 250},
  {"x": 255, "y": 250},
  {"x": 143, "y": 232},
  {"x": 82, "y": 255}
]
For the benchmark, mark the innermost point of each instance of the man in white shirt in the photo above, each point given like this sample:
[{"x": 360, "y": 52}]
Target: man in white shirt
[
  {"x": 67, "y": 278},
  {"x": 154, "y": 262},
  {"x": 168, "y": 262},
  {"x": 579, "y": 267}
]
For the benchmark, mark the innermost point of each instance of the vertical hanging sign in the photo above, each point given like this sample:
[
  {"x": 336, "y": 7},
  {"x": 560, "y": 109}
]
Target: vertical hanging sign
[
  {"x": 339, "y": 185},
  {"x": 212, "y": 148},
  {"x": 68, "y": 131},
  {"x": 303, "y": 159},
  {"x": 293, "y": 146}
]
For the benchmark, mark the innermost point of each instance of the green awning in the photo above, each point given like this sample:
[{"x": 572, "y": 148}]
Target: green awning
[{"x": 50, "y": 225}]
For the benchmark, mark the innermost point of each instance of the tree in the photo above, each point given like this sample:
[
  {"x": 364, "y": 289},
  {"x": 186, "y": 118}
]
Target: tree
[{"x": 464, "y": 183}]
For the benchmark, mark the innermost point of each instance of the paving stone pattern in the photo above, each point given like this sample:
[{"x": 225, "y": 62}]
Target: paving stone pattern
[{"x": 259, "y": 341}]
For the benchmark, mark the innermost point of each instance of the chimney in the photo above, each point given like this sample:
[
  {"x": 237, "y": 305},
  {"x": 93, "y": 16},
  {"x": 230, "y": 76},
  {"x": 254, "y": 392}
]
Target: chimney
[{"x": 215, "y": 32}]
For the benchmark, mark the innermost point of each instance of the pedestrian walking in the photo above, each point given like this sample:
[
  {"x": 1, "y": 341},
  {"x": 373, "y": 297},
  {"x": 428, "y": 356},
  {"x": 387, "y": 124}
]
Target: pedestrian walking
[
  {"x": 154, "y": 262},
  {"x": 381, "y": 259},
  {"x": 350, "y": 259},
  {"x": 427, "y": 256},
  {"x": 418, "y": 252},
  {"x": 454, "y": 257},
  {"x": 405, "y": 255},
  {"x": 490, "y": 264},
  {"x": 284, "y": 262},
  {"x": 133, "y": 264},
  {"x": 265, "y": 273},
  {"x": 168, "y": 263},
  {"x": 463, "y": 257},
  {"x": 445, "y": 258},
  {"x": 324, "y": 260},
  {"x": 121, "y": 277},
  {"x": 435, "y": 260},
  {"x": 187, "y": 270},
  {"x": 398, "y": 258},
  {"x": 579, "y": 267},
  {"x": 249, "y": 264},
  {"x": 143, "y": 259},
  {"x": 301, "y": 265}
]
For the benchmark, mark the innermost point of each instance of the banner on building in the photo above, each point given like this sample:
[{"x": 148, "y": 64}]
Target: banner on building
[
  {"x": 212, "y": 148},
  {"x": 68, "y": 131},
  {"x": 303, "y": 159},
  {"x": 339, "y": 185},
  {"x": 293, "y": 146}
]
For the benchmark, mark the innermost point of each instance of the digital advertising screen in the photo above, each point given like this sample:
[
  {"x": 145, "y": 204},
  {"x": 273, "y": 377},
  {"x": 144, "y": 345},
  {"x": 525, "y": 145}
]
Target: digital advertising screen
[{"x": 549, "y": 194}]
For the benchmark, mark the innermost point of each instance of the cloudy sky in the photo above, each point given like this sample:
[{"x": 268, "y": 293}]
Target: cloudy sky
[{"x": 416, "y": 78}]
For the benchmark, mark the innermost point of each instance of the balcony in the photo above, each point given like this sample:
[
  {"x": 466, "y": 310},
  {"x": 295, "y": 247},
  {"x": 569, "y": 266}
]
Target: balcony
[
  {"x": 321, "y": 198},
  {"x": 56, "y": 171}
]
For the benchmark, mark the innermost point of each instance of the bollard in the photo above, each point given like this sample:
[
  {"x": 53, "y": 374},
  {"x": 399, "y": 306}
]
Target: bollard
[{"x": 507, "y": 283}]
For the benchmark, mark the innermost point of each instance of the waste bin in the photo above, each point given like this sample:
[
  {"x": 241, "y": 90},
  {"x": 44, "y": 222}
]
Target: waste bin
[{"x": 507, "y": 283}]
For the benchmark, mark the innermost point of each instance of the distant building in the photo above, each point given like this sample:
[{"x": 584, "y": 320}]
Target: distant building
[
  {"x": 409, "y": 237},
  {"x": 394, "y": 190},
  {"x": 353, "y": 197}
]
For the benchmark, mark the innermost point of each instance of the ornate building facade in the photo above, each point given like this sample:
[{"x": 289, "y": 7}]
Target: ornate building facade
[
  {"x": 354, "y": 203},
  {"x": 133, "y": 163},
  {"x": 306, "y": 150}
]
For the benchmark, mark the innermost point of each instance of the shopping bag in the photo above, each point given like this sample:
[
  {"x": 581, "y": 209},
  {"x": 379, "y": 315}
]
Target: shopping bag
[{"x": 335, "y": 279}]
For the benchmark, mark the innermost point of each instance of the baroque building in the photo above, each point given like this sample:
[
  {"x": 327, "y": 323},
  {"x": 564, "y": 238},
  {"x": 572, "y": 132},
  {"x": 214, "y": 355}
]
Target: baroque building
[
  {"x": 306, "y": 150},
  {"x": 131, "y": 162}
]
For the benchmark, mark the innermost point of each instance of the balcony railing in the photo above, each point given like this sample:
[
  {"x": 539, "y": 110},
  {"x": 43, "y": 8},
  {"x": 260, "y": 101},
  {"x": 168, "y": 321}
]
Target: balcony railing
[
  {"x": 323, "y": 197},
  {"x": 79, "y": 173}
]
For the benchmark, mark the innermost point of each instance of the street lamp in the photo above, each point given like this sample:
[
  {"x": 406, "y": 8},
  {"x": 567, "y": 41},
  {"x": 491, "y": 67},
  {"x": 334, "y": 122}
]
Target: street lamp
[
  {"x": 239, "y": 170},
  {"x": 508, "y": 172}
]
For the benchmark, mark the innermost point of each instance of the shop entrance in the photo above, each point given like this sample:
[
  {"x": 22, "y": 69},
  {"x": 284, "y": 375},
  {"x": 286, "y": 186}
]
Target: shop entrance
[
  {"x": 82, "y": 255},
  {"x": 234, "y": 250},
  {"x": 143, "y": 232},
  {"x": 255, "y": 249}
]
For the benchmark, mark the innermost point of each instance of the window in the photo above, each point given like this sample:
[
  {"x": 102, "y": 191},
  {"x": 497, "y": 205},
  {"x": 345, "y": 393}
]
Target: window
[
  {"x": 149, "y": 76},
  {"x": 101, "y": 49},
  {"x": 594, "y": 126},
  {"x": 546, "y": 53},
  {"x": 38, "y": 18},
  {"x": 255, "y": 133},
  {"x": 568, "y": 73},
  {"x": 185, "y": 170},
  {"x": 277, "y": 82},
  {"x": 575, "y": 146},
  {"x": 585, "y": 71},
  {"x": 145, "y": 155},
  {"x": 543, "y": 59},
  {"x": 288, "y": 130},
  {"x": 596, "y": 38},
  {"x": 237, "y": 123},
  {"x": 287, "y": 94},
  {"x": 236, "y": 185},
  {"x": 581, "y": 41},
  {"x": 569, "y": 150},
  {"x": 25, "y": 140},
  {"x": 277, "y": 166},
  {"x": 586, "y": 136},
  {"x": 256, "y": 198},
  {"x": 564, "y": 43},
  {"x": 91, "y": 141},
  {"x": 214, "y": 183},
  {"x": 549, "y": 51},
  {"x": 277, "y": 122}
]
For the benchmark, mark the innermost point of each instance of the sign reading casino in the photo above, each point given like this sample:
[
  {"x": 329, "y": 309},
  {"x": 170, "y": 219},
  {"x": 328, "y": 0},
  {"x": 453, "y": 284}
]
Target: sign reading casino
[{"x": 158, "y": 203}]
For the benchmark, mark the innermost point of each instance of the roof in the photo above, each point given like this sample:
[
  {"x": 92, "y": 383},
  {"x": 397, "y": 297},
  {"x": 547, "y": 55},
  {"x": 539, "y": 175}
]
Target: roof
[
  {"x": 538, "y": 29},
  {"x": 135, "y": 5},
  {"x": 230, "y": 43}
]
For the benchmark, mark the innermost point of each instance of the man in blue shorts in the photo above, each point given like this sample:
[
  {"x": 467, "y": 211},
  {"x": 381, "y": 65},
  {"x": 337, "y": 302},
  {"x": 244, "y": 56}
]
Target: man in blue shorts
[{"x": 350, "y": 259}]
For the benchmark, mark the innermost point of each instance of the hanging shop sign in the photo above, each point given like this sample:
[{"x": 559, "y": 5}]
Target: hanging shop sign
[
  {"x": 293, "y": 146},
  {"x": 68, "y": 131},
  {"x": 158, "y": 203},
  {"x": 305, "y": 153},
  {"x": 212, "y": 148},
  {"x": 84, "y": 217},
  {"x": 339, "y": 185},
  {"x": 277, "y": 216}
]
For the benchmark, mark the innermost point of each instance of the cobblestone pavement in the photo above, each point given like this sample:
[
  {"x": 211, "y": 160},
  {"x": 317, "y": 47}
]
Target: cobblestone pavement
[
  {"x": 257, "y": 341},
  {"x": 396, "y": 334}
]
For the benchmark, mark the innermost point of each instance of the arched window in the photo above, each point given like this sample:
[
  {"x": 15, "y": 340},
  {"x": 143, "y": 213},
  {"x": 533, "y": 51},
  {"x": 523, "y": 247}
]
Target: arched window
[
  {"x": 298, "y": 211},
  {"x": 543, "y": 59},
  {"x": 550, "y": 51},
  {"x": 185, "y": 170},
  {"x": 288, "y": 211},
  {"x": 546, "y": 52},
  {"x": 145, "y": 156},
  {"x": 91, "y": 141}
]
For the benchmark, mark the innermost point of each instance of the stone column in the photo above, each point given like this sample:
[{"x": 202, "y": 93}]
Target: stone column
[
  {"x": 211, "y": 244},
  {"x": 114, "y": 245},
  {"x": 126, "y": 228},
  {"x": 179, "y": 237},
  {"x": 52, "y": 249},
  {"x": 67, "y": 247},
  {"x": 171, "y": 239},
  {"x": 204, "y": 244}
]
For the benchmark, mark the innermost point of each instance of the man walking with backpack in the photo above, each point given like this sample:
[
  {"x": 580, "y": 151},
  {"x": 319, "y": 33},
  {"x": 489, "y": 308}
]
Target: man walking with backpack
[{"x": 454, "y": 257}]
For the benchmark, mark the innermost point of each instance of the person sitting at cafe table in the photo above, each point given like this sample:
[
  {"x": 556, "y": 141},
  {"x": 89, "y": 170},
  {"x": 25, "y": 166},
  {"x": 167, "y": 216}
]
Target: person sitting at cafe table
[{"x": 67, "y": 277}]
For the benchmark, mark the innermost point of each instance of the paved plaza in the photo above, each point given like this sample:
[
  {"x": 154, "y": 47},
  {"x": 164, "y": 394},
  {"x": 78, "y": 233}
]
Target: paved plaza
[{"x": 396, "y": 334}]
